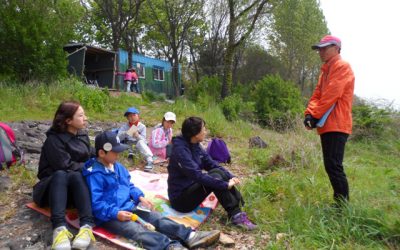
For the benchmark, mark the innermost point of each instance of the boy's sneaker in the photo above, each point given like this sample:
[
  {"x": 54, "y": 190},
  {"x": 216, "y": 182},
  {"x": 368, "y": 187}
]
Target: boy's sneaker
[
  {"x": 241, "y": 220},
  {"x": 203, "y": 239},
  {"x": 61, "y": 239},
  {"x": 176, "y": 246},
  {"x": 148, "y": 167},
  {"x": 83, "y": 238}
]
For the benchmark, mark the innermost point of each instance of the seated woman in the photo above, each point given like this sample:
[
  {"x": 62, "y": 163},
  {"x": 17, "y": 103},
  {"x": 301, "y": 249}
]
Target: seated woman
[
  {"x": 188, "y": 185},
  {"x": 161, "y": 136},
  {"x": 63, "y": 155}
]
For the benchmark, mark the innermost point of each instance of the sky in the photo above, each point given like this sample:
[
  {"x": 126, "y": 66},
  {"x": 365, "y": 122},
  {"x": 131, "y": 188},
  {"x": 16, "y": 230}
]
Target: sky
[{"x": 370, "y": 34}]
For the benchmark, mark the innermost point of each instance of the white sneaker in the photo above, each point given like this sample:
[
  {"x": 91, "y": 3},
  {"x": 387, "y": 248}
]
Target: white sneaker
[
  {"x": 61, "y": 239},
  {"x": 83, "y": 238}
]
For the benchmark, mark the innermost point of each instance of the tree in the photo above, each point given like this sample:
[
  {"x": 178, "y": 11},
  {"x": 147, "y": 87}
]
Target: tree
[
  {"x": 173, "y": 20},
  {"x": 255, "y": 64},
  {"x": 211, "y": 53},
  {"x": 120, "y": 18},
  {"x": 242, "y": 19},
  {"x": 297, "y": 25},
  {"x": 32, "y": 36}
]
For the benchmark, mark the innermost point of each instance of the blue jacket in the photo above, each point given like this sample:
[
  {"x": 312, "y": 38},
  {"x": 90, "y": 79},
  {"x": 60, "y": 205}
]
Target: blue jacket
[
  {"x": 186, "y": 166},
  {"x": 111, "y": 191}
]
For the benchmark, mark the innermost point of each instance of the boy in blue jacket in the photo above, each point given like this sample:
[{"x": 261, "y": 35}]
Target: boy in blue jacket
[{"x": 114, "y": 200}]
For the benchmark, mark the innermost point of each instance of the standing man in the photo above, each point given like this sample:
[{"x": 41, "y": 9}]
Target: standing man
[{"x": 329, "y": 110}]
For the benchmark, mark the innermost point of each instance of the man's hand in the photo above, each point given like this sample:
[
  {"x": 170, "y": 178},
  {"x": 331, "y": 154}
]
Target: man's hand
[
  {"x": 124, "y": 215},
  {"x": 310, "y": 122}
]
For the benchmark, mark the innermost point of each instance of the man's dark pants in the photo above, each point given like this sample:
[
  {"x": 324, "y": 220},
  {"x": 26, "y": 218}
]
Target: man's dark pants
[{"x": 333, "y": 144}]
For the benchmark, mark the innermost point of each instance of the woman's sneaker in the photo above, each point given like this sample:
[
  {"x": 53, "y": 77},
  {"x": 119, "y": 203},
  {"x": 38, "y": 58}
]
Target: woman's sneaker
[
  {"x": 61, "y": 239},
  {"x": 241, "y": 220},
  {"x": 83, "y": 238}
]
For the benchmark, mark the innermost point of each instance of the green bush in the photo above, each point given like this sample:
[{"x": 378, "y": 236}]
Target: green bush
[
  {"x": 150, "y": 96},
  {"x": 207, "y": 87},
  {"x": 370, "y": 122},
  {"x": 234, "y": 107},
  {"x": 90, "y": 98},
  {"x": 277, "y": 102}
]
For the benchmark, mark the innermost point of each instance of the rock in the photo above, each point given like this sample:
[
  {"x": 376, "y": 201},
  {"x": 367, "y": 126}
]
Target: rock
[
  {"x": 226, "y": 241},
  {"x": 5, "y": 183},
  {"x": 257, "y": 142}
]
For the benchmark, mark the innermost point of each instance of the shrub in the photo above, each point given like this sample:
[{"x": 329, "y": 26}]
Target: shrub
[
  {"x": 207, "y": 86},
  {"x": 369, "y": 121},
  {"x": 277, "y": 102},
  {"x": 90, "y": 98}
]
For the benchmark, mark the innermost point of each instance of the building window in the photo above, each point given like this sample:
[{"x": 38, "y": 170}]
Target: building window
[
  {"x": 140, "y": 70},
  {"x": 158, "y": 74}
]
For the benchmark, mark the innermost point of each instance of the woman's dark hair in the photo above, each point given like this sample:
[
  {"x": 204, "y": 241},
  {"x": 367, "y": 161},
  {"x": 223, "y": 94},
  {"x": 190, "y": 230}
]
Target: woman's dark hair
[
  {"x": 65, "y": 111},
  {"x": 192, "y": 126}
]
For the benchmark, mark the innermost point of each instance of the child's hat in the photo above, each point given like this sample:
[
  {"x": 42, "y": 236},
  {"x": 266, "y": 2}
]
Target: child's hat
[
  {"x": 169, "y": 116},
  {"x": 109, "y": 141},
  {"x": 131, "y": 110}
]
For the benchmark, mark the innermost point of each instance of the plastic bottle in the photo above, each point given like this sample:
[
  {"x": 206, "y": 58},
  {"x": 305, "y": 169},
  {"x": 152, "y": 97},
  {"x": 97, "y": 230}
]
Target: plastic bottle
[{"x": 142, "y": 222}]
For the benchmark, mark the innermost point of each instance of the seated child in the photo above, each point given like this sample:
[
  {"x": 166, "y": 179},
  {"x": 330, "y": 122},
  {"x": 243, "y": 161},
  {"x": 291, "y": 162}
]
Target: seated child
[
  {"x": 138, "y": 137},
  {"x": 161, "y": 136},
  {"x": 115, "y": 199}
]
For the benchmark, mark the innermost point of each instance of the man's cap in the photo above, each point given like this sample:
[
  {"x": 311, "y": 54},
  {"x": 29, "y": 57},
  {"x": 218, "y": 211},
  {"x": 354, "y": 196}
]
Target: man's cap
[
  {"x": 109, "y": 141},
  {"x": 326, "y": 41},
  {"x": 131, "y": 110},
  {"x": 170, "y": 116}
]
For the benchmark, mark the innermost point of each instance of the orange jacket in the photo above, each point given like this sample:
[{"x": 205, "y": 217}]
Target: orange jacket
[{"x": 335, "y": 85}]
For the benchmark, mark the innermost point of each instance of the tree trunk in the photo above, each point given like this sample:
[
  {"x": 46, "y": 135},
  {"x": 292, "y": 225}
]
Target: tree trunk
[
  {"x": 227, "y": 80},
  {"x": 175, "y": 72}
]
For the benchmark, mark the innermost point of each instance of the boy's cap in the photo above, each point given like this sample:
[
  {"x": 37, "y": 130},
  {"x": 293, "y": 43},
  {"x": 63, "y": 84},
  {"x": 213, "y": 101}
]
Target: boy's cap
[
  {"x": 170, "y": 116},
  {"x": 326, "y": 41},
  {"x": 131, "y": 110},
  {"x": 109, "y": 141}
]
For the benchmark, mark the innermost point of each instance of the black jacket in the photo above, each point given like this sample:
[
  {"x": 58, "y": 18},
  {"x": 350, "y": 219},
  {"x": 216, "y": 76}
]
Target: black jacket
[{"x": 64, "y": 151}]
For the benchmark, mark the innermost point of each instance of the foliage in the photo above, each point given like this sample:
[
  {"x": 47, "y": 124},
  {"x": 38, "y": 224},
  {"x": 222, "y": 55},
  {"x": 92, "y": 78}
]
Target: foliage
[
  {"x": 32, "y": 35},
  {"x": 233, "y": 107},
  {"x": 35, "y": 100},
  {"x": 243, "y": 16},
  {"x": 207, "y": 88},
  {"x": 92, "y": 99},
  {"x": 277, "y": 102},
  {"x": 255, "y": 64},
  {"x": 297, "y": 25},
  {"x": 370, "y": 121},
  {"x": 151, "y": 96}
]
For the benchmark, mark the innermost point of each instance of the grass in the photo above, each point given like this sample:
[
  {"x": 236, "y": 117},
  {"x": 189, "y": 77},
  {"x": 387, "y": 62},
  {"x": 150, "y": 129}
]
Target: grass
[{"x": 287, "y": 191}]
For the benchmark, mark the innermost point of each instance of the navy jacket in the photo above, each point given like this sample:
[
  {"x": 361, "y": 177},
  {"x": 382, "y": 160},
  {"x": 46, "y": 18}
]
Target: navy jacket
[{"x": 186, "y": 166}]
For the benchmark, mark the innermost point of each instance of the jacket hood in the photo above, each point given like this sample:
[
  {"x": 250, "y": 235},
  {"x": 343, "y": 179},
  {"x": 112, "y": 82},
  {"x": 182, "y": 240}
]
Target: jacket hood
[
  {"x": 93, "y": 166},
  {"x": 180, "y": 141}
]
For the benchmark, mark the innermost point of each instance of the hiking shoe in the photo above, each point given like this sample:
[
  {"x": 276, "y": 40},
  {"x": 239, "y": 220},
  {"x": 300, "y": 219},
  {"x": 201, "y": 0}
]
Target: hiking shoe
[
  {"x": 241, "y": 220},
  {"x": 203, "y": 239},
  {"x": 148, "y": 167},
  {"x": 177, "y": 246},
  {"x": 83, "y": 238},
  {"x": 61, "y": 239}
]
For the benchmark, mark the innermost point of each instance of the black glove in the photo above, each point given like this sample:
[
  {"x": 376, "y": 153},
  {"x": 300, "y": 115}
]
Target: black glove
[{"x": 310, "y": 121}]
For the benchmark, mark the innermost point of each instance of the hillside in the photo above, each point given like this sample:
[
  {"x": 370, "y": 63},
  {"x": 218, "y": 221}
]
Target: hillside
[{"x": 285, "y": 187}]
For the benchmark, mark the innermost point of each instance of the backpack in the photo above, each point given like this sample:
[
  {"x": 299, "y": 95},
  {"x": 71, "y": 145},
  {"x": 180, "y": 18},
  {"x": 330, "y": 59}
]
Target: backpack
[
  {"x": 9, "y": 151},
  {"x": 218, "y": 150}
]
